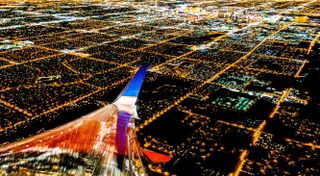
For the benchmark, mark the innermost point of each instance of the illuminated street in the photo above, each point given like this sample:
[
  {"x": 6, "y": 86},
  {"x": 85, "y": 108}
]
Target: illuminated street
[{"x": 231, "y": 88}]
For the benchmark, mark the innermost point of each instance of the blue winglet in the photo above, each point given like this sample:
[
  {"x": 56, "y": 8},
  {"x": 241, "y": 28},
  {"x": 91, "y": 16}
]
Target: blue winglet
[{"x": 133, "y": 88}]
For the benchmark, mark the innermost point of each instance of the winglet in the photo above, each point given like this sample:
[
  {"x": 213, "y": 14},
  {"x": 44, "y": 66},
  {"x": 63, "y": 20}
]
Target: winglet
[
  {"x": 128, "y": 97},
  {"x": 133, "y": 87}
]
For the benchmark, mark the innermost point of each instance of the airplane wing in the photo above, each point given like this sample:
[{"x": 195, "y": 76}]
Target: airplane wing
[
  {"x": 82, "y": 147},
  {"x": 100, "y": 143},
  {"x": 89, "y": 145},
  {"x": 67, "y": 137}
]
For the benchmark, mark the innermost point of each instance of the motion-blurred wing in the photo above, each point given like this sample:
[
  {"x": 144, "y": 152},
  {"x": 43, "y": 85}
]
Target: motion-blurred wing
[{"x": 89, "y": 145}]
